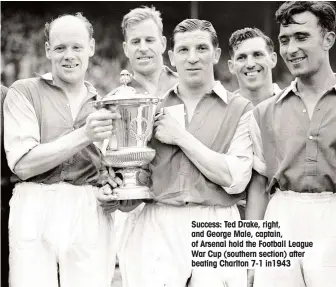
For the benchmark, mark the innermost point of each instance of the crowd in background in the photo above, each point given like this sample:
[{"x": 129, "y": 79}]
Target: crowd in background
[{"x": 23, "y": 53}]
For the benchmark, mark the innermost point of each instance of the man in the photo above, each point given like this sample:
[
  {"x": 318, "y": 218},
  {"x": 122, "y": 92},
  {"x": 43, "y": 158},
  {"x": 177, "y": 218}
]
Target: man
[
  {"x": 6, "y": 191},
  {"x": 199, "y": 171},
  {"x": 144, "y": 45},
  {"x": 252, "y": 60},
  {"x": 56, "y": 228},
  {"x": 294, "y": 139}
]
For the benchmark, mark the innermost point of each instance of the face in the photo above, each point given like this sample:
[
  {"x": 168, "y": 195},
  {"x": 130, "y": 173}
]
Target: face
[
  {"x": 194, "y": 57},
  {"x": 252, "y": 63},
  {"x": 144, "y": 47},
  {"x": 302, "y": 45},
  {"x": 69, "y": 50}
]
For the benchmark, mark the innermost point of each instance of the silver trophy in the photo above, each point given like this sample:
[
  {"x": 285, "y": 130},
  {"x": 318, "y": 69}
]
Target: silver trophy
[{"x": 127, "y": 148}]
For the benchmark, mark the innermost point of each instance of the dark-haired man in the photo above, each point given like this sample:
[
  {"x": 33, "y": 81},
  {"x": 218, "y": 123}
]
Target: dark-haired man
[
  {"x": 202, "y": 166},
  {"x": 295, "y": 135},
  {"x": 56, "y": 228},
  {"x": 252, "y": 60}
]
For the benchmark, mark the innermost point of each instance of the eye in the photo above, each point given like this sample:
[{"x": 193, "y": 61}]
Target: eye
[
  {"x": 135, "y": 42},
  {"x": 203, "y": 48},
  {"x": 151, "y": 40},
  {"x": 301, "y": 37},
  {"x": 283, "y": 41},
  {"x": 258, "y": 54},
  {"x": 77, "y": 48},
  {"x": 59, "y": 48},
  {"x": 240, "y": 57},
  {"x": 183, "y": 49}
]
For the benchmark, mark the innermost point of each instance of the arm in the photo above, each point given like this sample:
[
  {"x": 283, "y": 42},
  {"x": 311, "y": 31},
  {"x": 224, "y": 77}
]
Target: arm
[
  {"x": 27, "y": 157},
  {"x": 231, "y": 170},
  {"x": 257, "y": 198}
]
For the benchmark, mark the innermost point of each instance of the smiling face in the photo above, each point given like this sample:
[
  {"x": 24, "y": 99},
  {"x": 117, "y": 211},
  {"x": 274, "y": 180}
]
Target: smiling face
[
  {"x": 69, "y": 50},
  {"x": 144, "y": 46},
  {"x": 252, "y": 63},
  {"x": 301, "y": 45},
  {"x": 194, "y": 57}
]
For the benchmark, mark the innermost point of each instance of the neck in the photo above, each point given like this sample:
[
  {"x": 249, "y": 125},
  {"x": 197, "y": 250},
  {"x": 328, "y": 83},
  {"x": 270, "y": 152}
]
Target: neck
[
  {"x": 195, "y": 93},
  {"x": 259, "y": 95},
  {"x": 152, "y": 78},
  {"x": 70, "y": 88},
  {"x": 318, "y": 83}
]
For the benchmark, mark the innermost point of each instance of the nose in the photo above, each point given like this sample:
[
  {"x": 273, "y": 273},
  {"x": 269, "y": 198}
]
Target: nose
[
  {"x": 250, "y": 62},
  {"x": 292, "y": 47},
  {"x": 69, "y": 54},
  {"x": 193, "y": 56},
  {"x": 143, "y": 45}
]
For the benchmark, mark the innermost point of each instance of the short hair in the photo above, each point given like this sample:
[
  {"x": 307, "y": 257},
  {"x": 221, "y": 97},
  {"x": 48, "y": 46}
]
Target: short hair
[
  {"x": 242, "y": 35},
  {"x": 323, "y": 10},
  {"x": 79, "y": 15},
  {"x": 137, "y": 15},
  {"x": 189, "y": 25}
]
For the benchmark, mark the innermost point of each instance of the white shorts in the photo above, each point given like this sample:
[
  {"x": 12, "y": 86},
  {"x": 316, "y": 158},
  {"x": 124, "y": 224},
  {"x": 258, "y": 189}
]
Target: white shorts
[
  {"x": 158, "y": 251},
  {"x": 59, "y": 223},
  {"x": 304, "y": 217}
]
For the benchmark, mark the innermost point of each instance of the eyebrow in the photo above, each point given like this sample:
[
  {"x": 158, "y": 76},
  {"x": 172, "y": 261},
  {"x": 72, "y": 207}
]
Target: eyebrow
[{"x": 295, "y": 34}]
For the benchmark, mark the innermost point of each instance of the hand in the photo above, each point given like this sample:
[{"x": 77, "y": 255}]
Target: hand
[
  {"x": 108, "y": 176},
  {"x": 144, "y": 177},
  {"x": 250, "y": 277},
  {"x": 166, "y": 129},
  {"x": 129, "y": 205},
  {"x": 106, "y": 199},
  {"x": 99, "y": 124}
]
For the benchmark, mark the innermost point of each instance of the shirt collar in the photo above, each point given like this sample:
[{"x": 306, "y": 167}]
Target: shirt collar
[
  {"x": 276, "y": 90},
  {"x": 293, "y": 88},
  {"x": 218, "y": 89},
  {"x": 49, "y": 78}
]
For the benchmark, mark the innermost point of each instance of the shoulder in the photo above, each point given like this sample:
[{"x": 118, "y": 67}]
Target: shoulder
[
  {"x": 266, "y": 108},
  {"x": 237, "y": 99},
  {"x": 26, "y": 84}
]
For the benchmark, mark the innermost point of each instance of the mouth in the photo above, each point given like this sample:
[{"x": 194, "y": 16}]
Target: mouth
[
  {"x": 297, "y": 60},
  {"x": 193, "y": 70},
  {"x": 70, "y": 66},
  {"x": 252, "y": 73},
  {"x": 144, "y": 58}
]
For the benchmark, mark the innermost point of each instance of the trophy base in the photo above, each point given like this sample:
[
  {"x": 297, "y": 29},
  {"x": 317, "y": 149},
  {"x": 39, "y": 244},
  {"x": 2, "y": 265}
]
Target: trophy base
[{"x": 136, "y": 192}]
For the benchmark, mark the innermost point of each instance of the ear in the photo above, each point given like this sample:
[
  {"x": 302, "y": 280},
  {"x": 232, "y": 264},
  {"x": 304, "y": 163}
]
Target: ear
[
  {"x": 171, "y": 57},
  {"x": 164, "y": 43},
  {"x": 92, "y": 47},
  {"x": 274, "y": 59},
  {"x": 125, "y": 49},
  {"x": 231, "y": 67},
  {"x": 47, "y": 50},
  {"x": 328, "y": 40},
  {"x": 216, "y": 57}
]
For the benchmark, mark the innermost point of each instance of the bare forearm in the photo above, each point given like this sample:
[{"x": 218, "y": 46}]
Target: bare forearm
[
  {"x": 211, "y": 164},
  {"x": 46, "y": 156},
  {"x": 257, "y": 198}
]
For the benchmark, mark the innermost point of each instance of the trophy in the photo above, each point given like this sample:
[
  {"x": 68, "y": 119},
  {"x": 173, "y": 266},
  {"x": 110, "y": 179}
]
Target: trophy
[{"x": 127, "y": 148}]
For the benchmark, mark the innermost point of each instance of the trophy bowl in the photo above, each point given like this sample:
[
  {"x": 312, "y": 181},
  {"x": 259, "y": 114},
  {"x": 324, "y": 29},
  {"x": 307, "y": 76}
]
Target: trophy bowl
[{"x": 126, "y": 150}]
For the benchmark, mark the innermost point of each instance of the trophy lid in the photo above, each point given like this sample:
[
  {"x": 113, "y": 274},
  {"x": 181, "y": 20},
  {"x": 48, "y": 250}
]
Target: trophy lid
[{"x": 125, "y": 92}]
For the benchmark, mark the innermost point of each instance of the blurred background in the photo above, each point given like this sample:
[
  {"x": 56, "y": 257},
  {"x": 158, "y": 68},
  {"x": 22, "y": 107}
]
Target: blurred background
[{"x": 22, "y": 37}]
